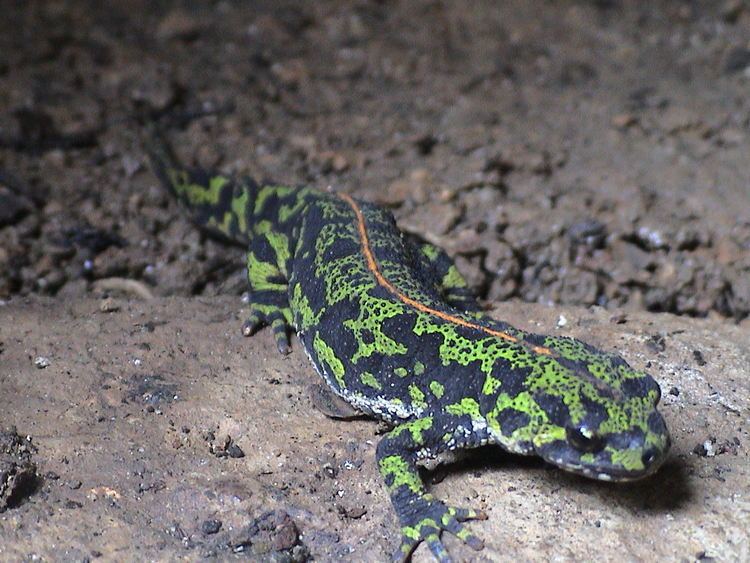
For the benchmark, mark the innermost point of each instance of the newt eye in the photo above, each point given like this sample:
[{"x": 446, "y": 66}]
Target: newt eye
[{"x": 584, "y": 439}]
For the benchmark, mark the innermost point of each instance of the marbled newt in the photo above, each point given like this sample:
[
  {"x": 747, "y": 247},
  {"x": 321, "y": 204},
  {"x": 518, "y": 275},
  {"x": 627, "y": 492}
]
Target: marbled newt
[{"x": 392, "y": 327}]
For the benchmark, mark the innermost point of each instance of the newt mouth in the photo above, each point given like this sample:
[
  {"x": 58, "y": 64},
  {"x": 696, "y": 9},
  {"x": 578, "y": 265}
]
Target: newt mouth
[
  {"x": 602, "y": 468},
  {"x": 610, "y": 474}
]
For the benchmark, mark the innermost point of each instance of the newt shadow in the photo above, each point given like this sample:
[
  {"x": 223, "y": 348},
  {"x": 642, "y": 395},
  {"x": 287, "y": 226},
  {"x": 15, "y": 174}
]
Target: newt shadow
[{"x": 667, "y": 490}]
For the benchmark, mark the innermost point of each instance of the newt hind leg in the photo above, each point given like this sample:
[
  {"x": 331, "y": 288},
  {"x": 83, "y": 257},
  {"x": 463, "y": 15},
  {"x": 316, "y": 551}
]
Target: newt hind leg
[
  {"x": 451, "y": 284},
  {"x": 267, "y": 274}
]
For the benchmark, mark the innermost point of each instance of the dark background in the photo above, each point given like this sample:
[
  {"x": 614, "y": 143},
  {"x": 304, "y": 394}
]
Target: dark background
[{"x": 576, "y": 152}]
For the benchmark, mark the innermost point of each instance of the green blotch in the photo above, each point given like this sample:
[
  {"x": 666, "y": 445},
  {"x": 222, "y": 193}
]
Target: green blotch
[
  {"x": 333, "y": 207},
  {"x": 368, "y": 328},
  {"x": 300, "y": 304},
  {"x": 430, "y": 251},
  {"x": 467, "y": 406},
  {"x": 415, "y": 428},
  {"x": 418, "y": 368},
  {"x": 453, "y": 279},
  {"x": 239, "y": 207},
  {"x": 370, "y": 380},
  {"x": 266, "y": 192},
  {"x": 628, "y": 459},
  {"x": 401, "y": 372},
  {"x": 402, "y": 275},
  {"x": 415, "y": 532},
  {"x": 263, "y": 227},
  {"x": 259, "y": 272},
  {"x": 195, "y": 193},
  {"x": 448, "y": 516},
  {"x": 287, "y": 211},
  {"x": 523, "y": 402},
  {"x": 326, "y": 354},
  {"x": 555, "y": 379},
  {"x": 267, "y": 310},
  {"x": 280, "y": 244},
  {"x": 260, "y": 200},
  {"x": 417, "y": 396},
  {"x": 491, "y": 385},
  {"x": 437, "y": 389},
  {"x": 621, "y": 416},
  {"x": 397, "y": 468},
  {"x": 463, "y": 350},
  {"x": 656, "y": 439},
  {"x": 599, "y": 370},
  {"x": 346, "y": 277},
  {"x": 548, "y": 433},
  {"x": 225, "y": 226}
]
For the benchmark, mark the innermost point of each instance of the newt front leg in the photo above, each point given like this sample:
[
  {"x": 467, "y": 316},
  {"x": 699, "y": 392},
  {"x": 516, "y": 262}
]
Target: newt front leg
[{"x": 422, "y": 516}]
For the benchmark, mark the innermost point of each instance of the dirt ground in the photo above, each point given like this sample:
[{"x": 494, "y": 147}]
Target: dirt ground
[
  {"x": 138, "y": 411},
  {"x": 589, "y": 157}
]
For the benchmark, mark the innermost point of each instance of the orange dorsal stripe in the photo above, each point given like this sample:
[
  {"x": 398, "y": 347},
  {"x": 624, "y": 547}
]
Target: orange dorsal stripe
[{"x": 372, "y": 265}]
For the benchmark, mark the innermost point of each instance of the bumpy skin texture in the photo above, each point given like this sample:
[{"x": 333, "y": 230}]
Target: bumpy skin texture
[{"x": 392, "y": 328}]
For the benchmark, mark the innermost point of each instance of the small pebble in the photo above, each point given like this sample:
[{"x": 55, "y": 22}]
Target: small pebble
[
  {"x": 41, "y": 362},
  {"x": 618, "y": 319},
  {"x": 178, "y": 25},
  {"x": 130, "y": 165},
  {"x": 706, "y": 449},
  {"x": 624, "y": 120},
  {"x": 233, "y": 450},
  {"x": 731, "y": 10},
  {"x": 698, "y": 357},
  {"x": 737, "y": 60},
  {"x": 109, "y": 305},
  {"x": 352, "y": 512},
  {"x": 329, "y": 470},
  {"x": 210, "y": 526}
]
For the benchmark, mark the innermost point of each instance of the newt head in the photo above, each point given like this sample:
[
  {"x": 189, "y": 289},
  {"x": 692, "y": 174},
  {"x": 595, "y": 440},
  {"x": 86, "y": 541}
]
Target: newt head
[{"x": 585, "y": 411}]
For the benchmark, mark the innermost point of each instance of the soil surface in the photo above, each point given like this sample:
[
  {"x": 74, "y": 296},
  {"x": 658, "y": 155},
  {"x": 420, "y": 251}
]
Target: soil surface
[
  {"x": 577, "y": 153},
  {"x": 159, "y": 432}
]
